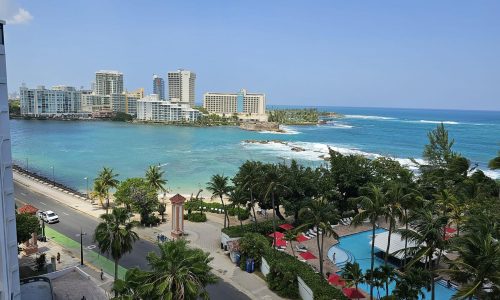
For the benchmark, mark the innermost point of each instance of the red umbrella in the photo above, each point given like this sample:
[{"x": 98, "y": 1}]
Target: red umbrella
[
  {"x": 278, "y": 235},
  {"x": 280, "y": 243},
  {"x": 301, "y": 238},
  {"x": 450, "y": 230},
  {"x": 307, "y": 255},
  {"x": 352, "y": 293},
  {"x": 286, "y": 226},
  {"x": 336, "y": 280}
]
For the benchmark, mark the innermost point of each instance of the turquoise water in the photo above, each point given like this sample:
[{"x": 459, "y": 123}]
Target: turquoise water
[
  {"x": 358, "y": 247},
  {"x": 78, "y": 149}
]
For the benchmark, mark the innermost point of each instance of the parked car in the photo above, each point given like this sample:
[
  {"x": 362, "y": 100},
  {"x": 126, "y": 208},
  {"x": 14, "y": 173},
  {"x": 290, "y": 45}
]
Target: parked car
[{"x": 48, "y": 216}]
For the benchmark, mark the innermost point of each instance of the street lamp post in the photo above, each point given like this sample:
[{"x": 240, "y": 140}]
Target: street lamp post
[
  {"x": 87, "y": 179},
  {"x": 81, "y": 245}
]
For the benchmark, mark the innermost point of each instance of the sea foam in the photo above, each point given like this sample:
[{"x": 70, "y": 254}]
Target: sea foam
[{"x": 368, "y": 117}]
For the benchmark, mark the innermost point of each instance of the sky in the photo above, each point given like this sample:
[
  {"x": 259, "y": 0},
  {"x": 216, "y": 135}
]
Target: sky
[{"x": 411, "y": 54}]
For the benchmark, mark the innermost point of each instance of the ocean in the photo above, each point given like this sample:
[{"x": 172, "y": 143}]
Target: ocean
[{"x": 73, "y": 150}]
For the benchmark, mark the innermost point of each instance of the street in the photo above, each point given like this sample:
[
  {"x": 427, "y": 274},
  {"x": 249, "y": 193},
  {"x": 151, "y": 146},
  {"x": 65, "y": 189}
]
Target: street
[{"x": 72, "y": 221}]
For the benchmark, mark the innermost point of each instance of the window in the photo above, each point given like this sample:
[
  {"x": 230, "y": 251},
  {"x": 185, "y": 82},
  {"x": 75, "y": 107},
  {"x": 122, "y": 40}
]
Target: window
[{"x": 1, "y": 34}]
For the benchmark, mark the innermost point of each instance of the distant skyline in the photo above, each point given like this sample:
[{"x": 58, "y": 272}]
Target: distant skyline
[{"x": 419, "y": 54}]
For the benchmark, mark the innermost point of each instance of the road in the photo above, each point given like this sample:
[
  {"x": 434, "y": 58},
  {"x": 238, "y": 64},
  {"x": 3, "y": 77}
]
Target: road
[{"x": 72, "y": 221}]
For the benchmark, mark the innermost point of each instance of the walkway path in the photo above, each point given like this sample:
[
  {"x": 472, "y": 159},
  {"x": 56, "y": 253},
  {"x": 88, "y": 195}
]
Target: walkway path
[{"x": 202, "y": 235}]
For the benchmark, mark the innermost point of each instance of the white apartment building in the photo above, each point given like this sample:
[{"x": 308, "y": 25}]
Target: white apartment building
[
  {"x": 181, "y": 87},
  {"x": 108, "y": 82},
  {"x": 9, "y": 268},
  {"x": 152, "y": 108},
  {"x": 57, "y": 101},
  {"x": 231, "y": 103}
]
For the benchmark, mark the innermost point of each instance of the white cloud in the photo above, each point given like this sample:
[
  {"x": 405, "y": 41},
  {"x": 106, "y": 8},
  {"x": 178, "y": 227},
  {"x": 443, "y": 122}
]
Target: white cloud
[
  {"x": 23, "y": 16},
  {"x": 13, "y": 13}
]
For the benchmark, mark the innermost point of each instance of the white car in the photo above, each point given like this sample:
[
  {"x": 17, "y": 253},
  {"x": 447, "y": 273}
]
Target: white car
[{"x": 48, "y": 216}]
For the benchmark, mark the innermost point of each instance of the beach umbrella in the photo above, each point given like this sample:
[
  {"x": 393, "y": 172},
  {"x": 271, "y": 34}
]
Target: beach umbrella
[
  {"x": 280, "y": 243},
  {"x": 301, "y": 238},
  {"x": 352, "y": 293},
  {"x": 336, "y": 280},
  {"x": 286, "y": 226},
  {"x": 278, "y": 235},
  {"x": 307, "y": 255}
]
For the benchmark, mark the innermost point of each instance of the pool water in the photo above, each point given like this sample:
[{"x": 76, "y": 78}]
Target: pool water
[{"x": 358, "y": 247}]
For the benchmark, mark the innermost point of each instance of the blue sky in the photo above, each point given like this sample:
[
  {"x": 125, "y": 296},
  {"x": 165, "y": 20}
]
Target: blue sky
[{"x": 430, "y": 54}]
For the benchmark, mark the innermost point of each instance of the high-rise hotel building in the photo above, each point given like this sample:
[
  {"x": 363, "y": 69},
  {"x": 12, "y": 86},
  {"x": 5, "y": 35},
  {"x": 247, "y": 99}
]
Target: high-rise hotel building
[
  {"x": 181, "y": 86},
  {"x": 237, "y": 103},
  {"x": 9, "y": 268},
  {"x": 108, "y": 82},
  {"x": 159, "y": 86}
]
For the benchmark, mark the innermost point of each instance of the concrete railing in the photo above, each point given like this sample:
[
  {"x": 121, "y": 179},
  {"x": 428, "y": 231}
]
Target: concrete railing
[{"x": 304, "y": 291}]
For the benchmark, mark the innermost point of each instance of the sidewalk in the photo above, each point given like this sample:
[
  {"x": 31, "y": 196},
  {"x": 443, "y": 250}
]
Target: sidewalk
[{"x": 205, "y": 236}]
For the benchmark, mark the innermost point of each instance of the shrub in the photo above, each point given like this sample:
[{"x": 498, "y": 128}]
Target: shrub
[
  {"x": 151, "y": 220},
  {"x": 196, "y": 217},
  {"x": 253, "y": 245},
  {"x": 263, "y": 228},
  {"x": 41, "y": 262},
  {"x": 281, "y": 280}
]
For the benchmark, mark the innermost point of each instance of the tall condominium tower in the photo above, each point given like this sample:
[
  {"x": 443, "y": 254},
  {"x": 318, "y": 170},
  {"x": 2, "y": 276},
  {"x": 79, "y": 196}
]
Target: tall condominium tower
[
  {"x": 108, "y": 82},
  {"x": 9, "y": 268},
  {"x": 159, "y": 86},
  {"x": 181, "y": 85}
]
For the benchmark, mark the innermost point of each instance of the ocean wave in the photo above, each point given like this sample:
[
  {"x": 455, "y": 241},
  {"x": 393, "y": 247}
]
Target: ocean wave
[
  {"x": 338, "y": 125},
  {"x": 284, "y": 130},
  {"x": 492, "y": 174},
  {"x": 439, "y": 122},
  {"x": 367, "y": 117}
]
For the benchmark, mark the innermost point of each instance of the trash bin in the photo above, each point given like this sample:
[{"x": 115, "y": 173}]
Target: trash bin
[{"x": 250, "y": 265}]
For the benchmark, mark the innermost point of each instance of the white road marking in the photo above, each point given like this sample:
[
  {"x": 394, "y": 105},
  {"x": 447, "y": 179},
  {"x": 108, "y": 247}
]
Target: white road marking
[
  {"x": 23, "y": 194},
  {"x": 65, "y": 213},
  {"x": 43, "y": 203}
]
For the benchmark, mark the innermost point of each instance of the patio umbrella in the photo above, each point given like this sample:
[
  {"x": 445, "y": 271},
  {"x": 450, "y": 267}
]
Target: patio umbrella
[
  {"x": 352, "y": 293},
  {"x": 307, "y": 255},
  {"x": 286, "y": 226},
  {"x": 301, "y": 238},
  {"x": 278, "y": 235},
  {"x": 280, "y": 243},
  {"x": 336, "y": 280},
  {"x": 450, "y": 230}
]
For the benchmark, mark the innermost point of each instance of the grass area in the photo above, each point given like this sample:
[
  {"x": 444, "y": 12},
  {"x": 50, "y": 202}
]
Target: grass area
[{"x": 90, "y": 257}]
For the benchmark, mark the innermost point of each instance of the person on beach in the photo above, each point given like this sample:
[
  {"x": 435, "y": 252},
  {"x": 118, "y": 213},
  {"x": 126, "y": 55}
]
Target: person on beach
[{"x": 58, "y": 257}]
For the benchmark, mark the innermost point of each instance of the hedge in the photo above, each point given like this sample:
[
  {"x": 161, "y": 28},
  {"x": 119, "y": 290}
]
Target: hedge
[
  {"x": 263, "y": 228},
  {"x": 283, "y": 277},
  {"x": 196, "y": 217},
  {"x": 215, "y": 207}
]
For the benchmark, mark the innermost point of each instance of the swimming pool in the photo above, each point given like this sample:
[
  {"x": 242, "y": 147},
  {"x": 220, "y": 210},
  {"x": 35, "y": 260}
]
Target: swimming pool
[{"x": 358, "y": 247}]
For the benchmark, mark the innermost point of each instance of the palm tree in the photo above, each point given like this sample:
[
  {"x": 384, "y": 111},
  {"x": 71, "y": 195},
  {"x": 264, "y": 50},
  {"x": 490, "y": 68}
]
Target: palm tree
[
  {"x": 387, "y": 275},
  {"x": 273, "y": 182},
  {"x": 108, "y": 180},
  {"x": 154, "y": 178},
  {"x": 374, "y": 205},
  {"x": 290, "y": 236},
  {"x": 352, "y": 274},
  {"x": 250, "y": 172},
  {"x": 478, "y": 262},
  {"x": 237, "y": 197},
  {"x": 428, "y": 237},
  {"x": 375, "y": 279},
  {"x": 219, "y": 187},
  {"x": 410, "y": 285},
  {"x": 178, "y": 272},
  {"x": 395, "y": 197},
  {"x": 115, "y": 235},
  {"x": 319, "y": 214},
  {"x": 99, "y": 192}
]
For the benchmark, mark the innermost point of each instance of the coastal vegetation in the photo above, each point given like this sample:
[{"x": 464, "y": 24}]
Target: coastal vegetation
[
  {"x": 304, "y": 116},
  {"x": 446, "y": 195},
  {"x": 122, "y": 117},
  {"x": 14, "y": 107}
]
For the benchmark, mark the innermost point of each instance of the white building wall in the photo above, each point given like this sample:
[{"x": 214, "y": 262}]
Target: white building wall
[
  {"x": 151, "y": 108},
  {"x": 9, "y": 269}
]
